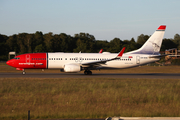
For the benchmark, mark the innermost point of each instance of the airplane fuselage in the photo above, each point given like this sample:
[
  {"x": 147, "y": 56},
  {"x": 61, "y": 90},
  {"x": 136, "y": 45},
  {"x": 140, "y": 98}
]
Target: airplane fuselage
[{"x": 59, "y": 60}]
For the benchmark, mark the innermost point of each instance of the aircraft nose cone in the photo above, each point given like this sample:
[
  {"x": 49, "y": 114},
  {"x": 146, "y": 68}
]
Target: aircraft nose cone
[{"x": 9, "y": 62}]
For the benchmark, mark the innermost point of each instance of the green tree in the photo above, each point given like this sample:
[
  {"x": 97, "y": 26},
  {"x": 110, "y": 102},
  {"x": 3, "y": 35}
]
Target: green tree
[
  {"x": 12, "y": 43},
  {"x": 56, "y": 43},
  {"x": 133, "y": 44},
  {"x": 126, "y": 43},
  {"x": 167, "y": 44},
  {"x": 141, "y": 40},
  {"x": 48, "y": 40},
  {"x": 38, "y": 40},
  {"x": 85, "y": 42},
  {"x": 3, "y": 47},
  {"x": 115, "y": 45},
  {"x": 177, "y": 40},
  {"x": 39, "y": 48},
  {"x": 29, "y": 42},
  {"x": 23, "y": 42},
  {"x": 102, "y": 45},
  {"x": 67, "y": 43}
]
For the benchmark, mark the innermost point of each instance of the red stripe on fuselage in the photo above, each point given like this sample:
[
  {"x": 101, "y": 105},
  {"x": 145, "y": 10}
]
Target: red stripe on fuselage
[
  {"x": 29, "y": 61},
  {"x": 39, "y": 60}
]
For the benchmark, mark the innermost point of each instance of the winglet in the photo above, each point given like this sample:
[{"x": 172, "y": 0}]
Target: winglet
[
  {"x": 121, "y": 53},
  {"x": 101, "y": 51}
]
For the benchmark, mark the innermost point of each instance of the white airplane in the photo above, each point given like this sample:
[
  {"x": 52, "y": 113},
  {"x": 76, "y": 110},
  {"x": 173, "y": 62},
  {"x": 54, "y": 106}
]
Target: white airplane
[{"x": 76, "y": 62}]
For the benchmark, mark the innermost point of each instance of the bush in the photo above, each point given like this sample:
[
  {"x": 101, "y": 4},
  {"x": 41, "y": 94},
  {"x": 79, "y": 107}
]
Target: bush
[{"x": 175, "y": 62}]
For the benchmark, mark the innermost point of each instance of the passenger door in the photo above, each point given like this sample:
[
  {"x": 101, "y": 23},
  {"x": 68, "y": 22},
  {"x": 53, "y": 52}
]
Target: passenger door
[
  {"x": 28, "y": 59},
  {"x": 137, "y": 59}
]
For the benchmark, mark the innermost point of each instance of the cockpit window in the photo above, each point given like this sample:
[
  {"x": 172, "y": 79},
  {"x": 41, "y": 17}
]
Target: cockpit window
[{"x": 17, "y": 58}]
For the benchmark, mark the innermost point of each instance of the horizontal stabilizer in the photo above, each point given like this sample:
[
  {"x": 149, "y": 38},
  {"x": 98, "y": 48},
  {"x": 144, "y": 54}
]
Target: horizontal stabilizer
[{"x": 158, "y": 56}]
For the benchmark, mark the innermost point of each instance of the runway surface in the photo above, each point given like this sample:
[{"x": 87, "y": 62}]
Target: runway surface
[
  {"x": 95, "y": 75},
  {"x": 128, "y": 118}
]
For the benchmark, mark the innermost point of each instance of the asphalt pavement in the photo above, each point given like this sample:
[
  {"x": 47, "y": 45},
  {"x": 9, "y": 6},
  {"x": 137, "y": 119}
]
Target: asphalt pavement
[{"x": 95, "y": 75}]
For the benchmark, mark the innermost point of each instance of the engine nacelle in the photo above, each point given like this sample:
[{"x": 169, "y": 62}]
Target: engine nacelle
[{"x": 72, "y": 68}]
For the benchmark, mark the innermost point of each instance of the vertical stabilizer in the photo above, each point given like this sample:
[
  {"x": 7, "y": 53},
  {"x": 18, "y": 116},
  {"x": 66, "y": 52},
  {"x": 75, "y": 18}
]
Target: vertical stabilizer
[{"x": 153, "y": 44}]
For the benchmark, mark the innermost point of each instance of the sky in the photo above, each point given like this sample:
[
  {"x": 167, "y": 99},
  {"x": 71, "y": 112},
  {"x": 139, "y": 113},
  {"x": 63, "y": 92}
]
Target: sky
[{"x": 104, "y": 19}]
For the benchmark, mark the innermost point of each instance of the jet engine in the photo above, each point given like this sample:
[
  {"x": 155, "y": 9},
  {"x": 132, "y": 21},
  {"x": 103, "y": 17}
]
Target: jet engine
[{"x": 72, "y": 68}]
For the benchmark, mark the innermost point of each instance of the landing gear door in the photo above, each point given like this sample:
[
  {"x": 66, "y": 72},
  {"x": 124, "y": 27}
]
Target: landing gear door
[
  {"x": 27, "y": 58},
  {"x": 137, "y": 59}
]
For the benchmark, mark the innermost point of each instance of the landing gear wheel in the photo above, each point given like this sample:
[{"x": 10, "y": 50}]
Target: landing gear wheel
[
  {"x": 23, "y": 72},
  {"x": 87, "y": 72}
]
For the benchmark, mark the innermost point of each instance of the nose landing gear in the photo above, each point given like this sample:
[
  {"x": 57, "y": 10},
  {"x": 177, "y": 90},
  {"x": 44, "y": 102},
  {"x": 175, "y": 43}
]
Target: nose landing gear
[
  {"x": 23, "y": 72},
  {"x": 87, "y": 72}
]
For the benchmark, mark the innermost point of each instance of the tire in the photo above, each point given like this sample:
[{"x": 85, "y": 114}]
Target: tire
[
  {"x": 90, "y": 73},
  {"x": 85, "y": 72}
]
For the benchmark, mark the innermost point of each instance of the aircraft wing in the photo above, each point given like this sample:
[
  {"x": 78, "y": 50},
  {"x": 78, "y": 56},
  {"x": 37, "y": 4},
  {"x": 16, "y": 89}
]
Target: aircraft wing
[{"x": 98, "y": 63}]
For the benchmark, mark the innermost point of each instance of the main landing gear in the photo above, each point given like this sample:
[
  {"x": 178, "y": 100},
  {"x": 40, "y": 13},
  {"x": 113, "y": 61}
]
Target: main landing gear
[{"x": 87, "y": 72}]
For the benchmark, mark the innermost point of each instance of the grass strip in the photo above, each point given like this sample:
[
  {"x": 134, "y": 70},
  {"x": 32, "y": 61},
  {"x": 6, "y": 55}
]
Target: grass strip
[{"x": 88, "y": 98}]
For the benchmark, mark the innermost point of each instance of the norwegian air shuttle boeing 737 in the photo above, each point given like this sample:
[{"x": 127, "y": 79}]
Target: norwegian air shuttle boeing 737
[{"x": 76, "y": 62}]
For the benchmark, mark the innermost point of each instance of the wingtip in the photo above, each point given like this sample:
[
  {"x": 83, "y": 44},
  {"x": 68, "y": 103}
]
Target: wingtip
[{"x": 101, "y": 51}]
